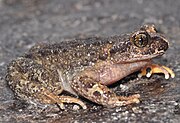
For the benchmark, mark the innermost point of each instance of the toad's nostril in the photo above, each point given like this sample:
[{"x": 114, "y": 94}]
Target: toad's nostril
[
  {"x": 160, "y": 42},
  {"x": 163, "y": 45}
]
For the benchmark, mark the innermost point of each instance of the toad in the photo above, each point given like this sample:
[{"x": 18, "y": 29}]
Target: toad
[{"x": 85, "y": 67}]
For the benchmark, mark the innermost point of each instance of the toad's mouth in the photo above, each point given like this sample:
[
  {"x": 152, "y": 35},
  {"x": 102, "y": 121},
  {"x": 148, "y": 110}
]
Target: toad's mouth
[{"x": 140, "y": 58}]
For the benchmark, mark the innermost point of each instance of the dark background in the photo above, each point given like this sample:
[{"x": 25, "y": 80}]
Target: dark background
[{"x": 24, "y": 23}]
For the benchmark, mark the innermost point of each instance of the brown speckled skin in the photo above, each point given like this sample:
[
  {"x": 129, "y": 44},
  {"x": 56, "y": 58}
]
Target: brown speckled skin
[{"x": 83, "y": 67}]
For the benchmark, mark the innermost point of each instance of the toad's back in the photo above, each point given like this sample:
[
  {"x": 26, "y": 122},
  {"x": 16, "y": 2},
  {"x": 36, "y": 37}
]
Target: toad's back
[{"x": 71, "y": 54}]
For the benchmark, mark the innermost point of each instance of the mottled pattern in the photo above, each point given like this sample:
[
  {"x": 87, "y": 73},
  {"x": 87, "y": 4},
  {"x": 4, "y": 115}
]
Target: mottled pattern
[{"x": 83, "y": 67}]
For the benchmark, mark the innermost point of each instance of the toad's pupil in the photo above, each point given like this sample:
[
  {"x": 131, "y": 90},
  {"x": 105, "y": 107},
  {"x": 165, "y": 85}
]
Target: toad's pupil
[{"x": 141, "y": 39}]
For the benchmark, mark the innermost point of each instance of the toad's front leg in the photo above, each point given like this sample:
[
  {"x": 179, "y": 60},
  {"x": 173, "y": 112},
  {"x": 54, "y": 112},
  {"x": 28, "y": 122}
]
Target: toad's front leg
[{"x": 88, "y": 86}]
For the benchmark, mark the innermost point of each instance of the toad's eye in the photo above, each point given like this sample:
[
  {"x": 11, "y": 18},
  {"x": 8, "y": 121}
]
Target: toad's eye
[{"x": 140, "y": 39}]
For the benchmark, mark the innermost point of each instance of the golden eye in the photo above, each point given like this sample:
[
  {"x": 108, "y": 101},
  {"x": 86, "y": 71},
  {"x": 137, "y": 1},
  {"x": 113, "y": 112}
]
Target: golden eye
[{"x": 140, "y": 39}]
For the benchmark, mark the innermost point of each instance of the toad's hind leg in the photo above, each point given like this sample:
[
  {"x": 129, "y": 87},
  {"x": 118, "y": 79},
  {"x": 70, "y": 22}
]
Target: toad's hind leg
[
  {"x": 31, "y": 81},
  {"x": 50, "y": 98},
  {"x": 91, "y": 89}
]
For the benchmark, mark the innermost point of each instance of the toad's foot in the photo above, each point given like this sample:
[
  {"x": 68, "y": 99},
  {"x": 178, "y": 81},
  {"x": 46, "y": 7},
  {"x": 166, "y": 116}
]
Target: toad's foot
[
  {"x": 93, "y": 90},
  {"x": 155, "y": 68},
  {"x": 129, "y": 100},
  {"x": 50, "y": 98}
]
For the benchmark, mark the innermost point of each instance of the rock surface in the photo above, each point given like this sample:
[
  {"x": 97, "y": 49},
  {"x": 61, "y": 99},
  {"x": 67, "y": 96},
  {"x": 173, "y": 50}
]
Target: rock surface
[{"x": 24, "y": 23}]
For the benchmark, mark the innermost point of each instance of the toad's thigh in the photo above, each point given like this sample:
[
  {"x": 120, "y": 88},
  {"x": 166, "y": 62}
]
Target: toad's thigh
[{"x": 25, "y": 76}]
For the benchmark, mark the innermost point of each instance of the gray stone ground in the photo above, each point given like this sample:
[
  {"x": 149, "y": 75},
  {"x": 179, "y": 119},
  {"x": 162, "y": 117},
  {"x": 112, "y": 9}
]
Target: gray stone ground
[{"x": 26, "y": 22}]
